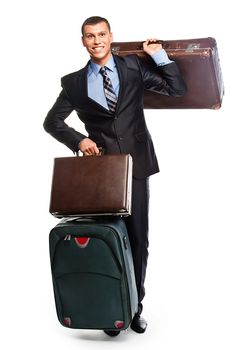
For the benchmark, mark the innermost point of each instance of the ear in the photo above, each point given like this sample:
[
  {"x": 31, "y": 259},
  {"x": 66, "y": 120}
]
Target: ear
[
  {"x": 111, "y": 37},
  {"x": 83, "y": 41}
]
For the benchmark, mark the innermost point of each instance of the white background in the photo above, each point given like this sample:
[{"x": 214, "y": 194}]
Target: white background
[{"x": 189, "y": 302}]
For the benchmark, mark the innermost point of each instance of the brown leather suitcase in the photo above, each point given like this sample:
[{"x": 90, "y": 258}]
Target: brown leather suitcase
[
  {"x": 199, "y": 63},
  {"x": 91, "y": 185}
]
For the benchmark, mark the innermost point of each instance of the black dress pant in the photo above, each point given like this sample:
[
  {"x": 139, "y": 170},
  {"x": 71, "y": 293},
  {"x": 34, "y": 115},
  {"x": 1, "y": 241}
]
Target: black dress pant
[{"x": 137, "y": 226}]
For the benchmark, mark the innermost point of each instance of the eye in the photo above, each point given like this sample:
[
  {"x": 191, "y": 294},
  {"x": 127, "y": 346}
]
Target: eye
[
  {"x": 89, "y": 36},
  {"x": 102, "y": 34}
]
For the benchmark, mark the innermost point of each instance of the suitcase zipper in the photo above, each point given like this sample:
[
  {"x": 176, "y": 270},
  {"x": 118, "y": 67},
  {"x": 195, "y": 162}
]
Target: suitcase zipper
[{"x": 67, "y": 238}]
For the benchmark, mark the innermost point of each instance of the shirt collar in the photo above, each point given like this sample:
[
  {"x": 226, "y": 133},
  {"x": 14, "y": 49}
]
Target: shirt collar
[{"x": 95, "y": 68}]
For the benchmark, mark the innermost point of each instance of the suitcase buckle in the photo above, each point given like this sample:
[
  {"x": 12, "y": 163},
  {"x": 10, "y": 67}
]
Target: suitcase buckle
[
  {"x": 192, "y": 47},
  {"x": 115, "y": 50}
]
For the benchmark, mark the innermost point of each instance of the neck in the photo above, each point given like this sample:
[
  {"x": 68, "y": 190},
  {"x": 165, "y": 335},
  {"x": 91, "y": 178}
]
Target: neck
[{"x": 102, "y": 61}]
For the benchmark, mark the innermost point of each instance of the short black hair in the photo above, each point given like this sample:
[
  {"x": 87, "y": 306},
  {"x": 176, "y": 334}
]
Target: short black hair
[{"x": 94, "y": 20}]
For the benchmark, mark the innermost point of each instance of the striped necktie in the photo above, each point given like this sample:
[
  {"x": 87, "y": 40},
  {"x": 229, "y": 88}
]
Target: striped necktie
[{"x": 108, "y": 90}]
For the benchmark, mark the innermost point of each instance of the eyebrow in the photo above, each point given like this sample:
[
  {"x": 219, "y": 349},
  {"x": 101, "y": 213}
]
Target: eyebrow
[{"x": 102, "y": 32}]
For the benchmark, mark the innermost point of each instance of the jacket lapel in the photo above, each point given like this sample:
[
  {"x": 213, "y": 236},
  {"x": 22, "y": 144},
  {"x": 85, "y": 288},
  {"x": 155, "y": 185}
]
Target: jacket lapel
[
  {"x": 122, "y": 73},
  {"x": 84, "y": 92}
]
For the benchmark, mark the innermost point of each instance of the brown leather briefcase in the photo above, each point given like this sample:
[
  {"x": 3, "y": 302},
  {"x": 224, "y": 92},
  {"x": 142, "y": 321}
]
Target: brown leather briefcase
[
  {"x": 198, "y": 61},
  {"x": 91, "y": 185}
]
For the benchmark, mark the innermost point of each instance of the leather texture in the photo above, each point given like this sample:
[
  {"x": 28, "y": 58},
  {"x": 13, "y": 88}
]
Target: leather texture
[
  {"x": 199, "y": 64},
  {"x": 91, "y": 185}
]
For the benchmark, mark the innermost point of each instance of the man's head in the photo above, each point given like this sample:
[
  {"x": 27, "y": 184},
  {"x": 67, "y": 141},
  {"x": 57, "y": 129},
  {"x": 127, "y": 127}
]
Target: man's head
[
  {"x": 97, "y": 39},
  {"x": 95, "y": 20}
]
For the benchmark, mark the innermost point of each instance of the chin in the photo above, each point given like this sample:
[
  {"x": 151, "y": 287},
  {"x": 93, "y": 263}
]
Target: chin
[{"x": 98, "y": 58}]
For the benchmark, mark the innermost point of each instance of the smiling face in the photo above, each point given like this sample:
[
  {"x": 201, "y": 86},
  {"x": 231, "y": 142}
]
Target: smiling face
[{"x": 97, "y": 40}]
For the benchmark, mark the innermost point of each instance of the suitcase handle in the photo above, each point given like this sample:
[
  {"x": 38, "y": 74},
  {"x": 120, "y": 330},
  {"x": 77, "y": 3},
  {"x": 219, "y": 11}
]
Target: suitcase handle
[
  {"x": 84, "y": 219},
  {"x": 150, "y": 42}
]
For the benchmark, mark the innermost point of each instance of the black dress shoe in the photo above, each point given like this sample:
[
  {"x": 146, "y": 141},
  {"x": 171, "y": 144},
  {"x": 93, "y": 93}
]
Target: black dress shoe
[
  {"x": 138, "y": 324},
  {"x": 112, "y": 333}
]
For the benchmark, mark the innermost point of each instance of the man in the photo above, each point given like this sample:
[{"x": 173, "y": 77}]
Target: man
[{"x": 114, "y": 119}]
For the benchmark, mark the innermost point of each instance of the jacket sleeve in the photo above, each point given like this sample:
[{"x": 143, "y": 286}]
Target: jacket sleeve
[
  {"x": 55, "y": 124},
  {"x": 166, "y": 79}
]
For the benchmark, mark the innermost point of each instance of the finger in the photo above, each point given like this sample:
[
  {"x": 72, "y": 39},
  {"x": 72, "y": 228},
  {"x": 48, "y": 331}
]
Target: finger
[
  {"x": 87, "y": 152},
  {"x": 146, "y": 42},
  {"x": 96, "y": 150},
  {"x": 93, "y": 150}
]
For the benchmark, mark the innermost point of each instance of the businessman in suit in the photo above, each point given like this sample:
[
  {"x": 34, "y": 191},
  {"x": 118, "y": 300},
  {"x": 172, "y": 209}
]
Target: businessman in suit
[{"x": 114, "y": 120}]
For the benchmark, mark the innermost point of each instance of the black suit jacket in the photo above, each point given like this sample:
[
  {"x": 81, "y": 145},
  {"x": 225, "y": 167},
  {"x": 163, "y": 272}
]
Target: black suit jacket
[{"x": 125, "y": 131}]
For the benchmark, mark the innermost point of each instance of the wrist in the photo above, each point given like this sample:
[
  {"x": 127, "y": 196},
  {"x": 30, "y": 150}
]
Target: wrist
[{"x": 160, "y": 57}]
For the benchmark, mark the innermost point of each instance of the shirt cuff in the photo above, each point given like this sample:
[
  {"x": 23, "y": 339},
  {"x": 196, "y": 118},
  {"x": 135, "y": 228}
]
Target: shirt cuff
[{"x": 161, "y": 58}]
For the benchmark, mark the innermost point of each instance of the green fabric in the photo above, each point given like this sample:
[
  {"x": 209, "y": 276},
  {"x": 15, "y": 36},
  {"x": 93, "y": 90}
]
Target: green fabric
[{"x": 94, "y": 286}]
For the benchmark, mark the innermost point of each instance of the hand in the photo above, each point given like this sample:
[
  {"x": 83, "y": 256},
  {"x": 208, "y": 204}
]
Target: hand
[
  {"x": 88, "y": 147},
  {"x": 150, "y": 46}
]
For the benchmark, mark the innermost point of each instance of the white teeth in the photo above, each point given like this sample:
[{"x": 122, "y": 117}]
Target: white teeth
[{"x": 97, "y": 48}]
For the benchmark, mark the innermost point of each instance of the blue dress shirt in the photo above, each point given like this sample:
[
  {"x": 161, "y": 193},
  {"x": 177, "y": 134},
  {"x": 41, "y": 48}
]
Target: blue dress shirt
[{"x": 95, "y": 78}]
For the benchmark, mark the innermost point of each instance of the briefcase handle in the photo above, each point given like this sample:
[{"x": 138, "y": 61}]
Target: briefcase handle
[{"x": 101, "y": 153}]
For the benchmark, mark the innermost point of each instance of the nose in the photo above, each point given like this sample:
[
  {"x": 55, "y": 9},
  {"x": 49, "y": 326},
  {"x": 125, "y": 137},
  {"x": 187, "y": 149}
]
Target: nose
[{"x": 96, "y": 39}]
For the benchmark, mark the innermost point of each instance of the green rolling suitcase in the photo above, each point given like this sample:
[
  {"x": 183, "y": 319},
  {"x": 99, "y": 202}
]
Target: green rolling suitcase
[{"x": 93, "y": 273}]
